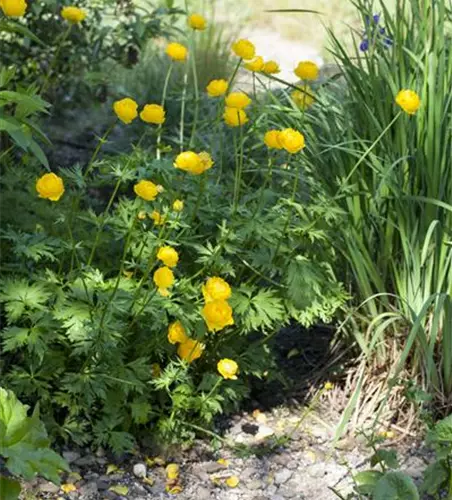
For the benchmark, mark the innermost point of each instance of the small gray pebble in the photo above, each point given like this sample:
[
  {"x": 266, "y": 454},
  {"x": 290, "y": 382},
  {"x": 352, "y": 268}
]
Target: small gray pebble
[
  {"x": 282, "y": 476},
  {"x": 48, "y": 487},
  {"x": 203, "y": 493},
  {"x": 139, "y": 470},
  {"x": 255, "y": 484},
  {"x": 84, "y": 461}
]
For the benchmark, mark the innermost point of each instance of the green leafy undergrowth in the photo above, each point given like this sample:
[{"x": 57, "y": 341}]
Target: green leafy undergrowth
[{"x": 24, "y": 447}]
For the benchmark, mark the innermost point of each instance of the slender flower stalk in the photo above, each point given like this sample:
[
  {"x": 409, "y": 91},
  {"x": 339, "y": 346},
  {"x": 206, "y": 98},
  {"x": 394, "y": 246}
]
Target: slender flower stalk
[
  {"x": 165, "y": 90},
  {"x": 196, "y": 89},
  {"x": 182, "y": 109}
]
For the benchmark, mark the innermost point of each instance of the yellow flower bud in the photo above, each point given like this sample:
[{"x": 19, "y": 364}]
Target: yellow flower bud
[
  {"x": 177, "y": 333},
  {"x": 141, "y": 215},
  {"x": 189, "y": 162},
  {"x": 158, "y": 218},
  {"x": 303, "y": 98},
  {"x": 176, "y": 51},
  {"x": 408, "y": 100},
  {"x": 228, "y": 368},
  {"x": 197, "y": 22},
  {"x": 153, "y": 113},
  {"x": 73, "y": 14},
  {"x": 146, "y": 190},
  {"x": 271, "y": 67},
  {"x": 234, "y": 117},
  {"x": 307, "y": 70},
  {"x": 172, "y": 471},
  {"x": 271, "y": 139},
  {"x": 50, "y": 186},
  {"x": 168, "y": 256},
  {"x": 217, "y": 314},
  {"x": 257, "y": 64},
  {"x": 178, "y": 205},
  {"x": 217, "y": 88},
  {"x": 190, "y": 350},
  {"x": 291, "y": 140},
  {"x": 216, "y": 288},
  {"x": 126, "y": 110},
  {"x": 244, "y": 49},
  {"x": 164, "y": 279},
  {"x": 238, "y": 100},
  {"x": 13, "y": 8}
]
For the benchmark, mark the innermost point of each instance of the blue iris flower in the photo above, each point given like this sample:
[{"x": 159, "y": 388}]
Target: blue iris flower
[{"x": 374, "y": 33}]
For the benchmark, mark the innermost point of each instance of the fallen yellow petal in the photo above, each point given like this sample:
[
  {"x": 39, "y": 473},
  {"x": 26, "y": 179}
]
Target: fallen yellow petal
[
  {"x": 119, "y": 490},
  {"x": 174, "y": 490},
  {"x": 232, "y": 481},
  {"x": 223, "y": 461},
  {"x": 148, "y": 480},
  {"x": 111, "y": 468},
  {"x": 172, "y": 471},
  {"x": 67, "y": 488}
]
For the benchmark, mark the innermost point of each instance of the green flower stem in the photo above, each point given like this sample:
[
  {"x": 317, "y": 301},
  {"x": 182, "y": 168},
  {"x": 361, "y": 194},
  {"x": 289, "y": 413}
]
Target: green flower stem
[
  {"x": 60, "y": 43},
  {"x": 202, "y": 187},
  {"x": 196, "y": 89},
  {"x": 182, "y": 109},
  {"x": 234, "y": 74},
  {"x": 100, "y": 143},
  {"x": 110, "y": 203},
  {"x": 290, "y": 211},
  {"x": 121, "y": 270},
  {"x": 214, "y": 388},
  {"x": 165, "y": 90},
  {"x": 238, "y": 176}
]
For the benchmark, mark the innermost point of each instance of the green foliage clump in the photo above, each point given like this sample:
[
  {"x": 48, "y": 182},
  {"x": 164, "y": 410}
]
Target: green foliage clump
[{"x": 24, "y": 447}]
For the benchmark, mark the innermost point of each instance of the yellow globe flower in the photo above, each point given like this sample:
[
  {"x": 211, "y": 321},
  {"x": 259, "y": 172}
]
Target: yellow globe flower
[
  {"x": 164, "y": 279},
  {"x": 408, "y": 100},
  {"x": 176, "y": 51},
  {"x": 50, "y": 187},
  {"x": 271, "y": 139},
  {"x": 303, "y": 98},
  {"x": 189, "y": 162},
  {"x": 238, "y": 100},
  {"x": 158, "y": 218},
  {"x": 13, "y": 8},
  {"x": 146, "y": 190},
  {"x": 234, "y": 117},
  {"x": 217, "y": 88},
  {"x": 178, "y": 205},
  {"x": 168, "y": 255},
  {"x": 190, "y": 350},
  {"x": 177, "y": 333},
  {"x": 291, "y": 140},
  {"x": 228, "y": 368},
  {"x": 257, "y": 64},
  {"x": 271, "y": 68},
  {"x": 206, "y": 160},
  {"x": 73, "y": 14},
  {"x": 244, "y": 49},
  {"x": 329, "y": 386},
  {"x": 197, "y": 22},
  {"x": 141, "y": 215},
  {"x": 153, "y": 113},
  {"x": 216, "y": 288},
  {"x": 126, "y": 110},
  {"x": 172, "y": 471},
  {"x": 307, "y": 70},
  {"x": 217, "y": 314}
]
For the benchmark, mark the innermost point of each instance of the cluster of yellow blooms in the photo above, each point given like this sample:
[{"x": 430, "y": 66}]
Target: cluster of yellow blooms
[
  {"x": 194, "y": 163},
  {"x": 289, "y": 139},
  {"x": 17, "y": 8},
  {"x": 217, "y": 313},
  {"x": 127, "y": 110}
]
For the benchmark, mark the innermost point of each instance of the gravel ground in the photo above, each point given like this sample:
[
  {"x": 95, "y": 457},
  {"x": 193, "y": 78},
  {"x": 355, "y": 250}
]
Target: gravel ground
[{"x": 304, "y": 468}]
